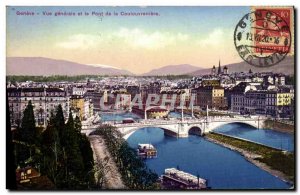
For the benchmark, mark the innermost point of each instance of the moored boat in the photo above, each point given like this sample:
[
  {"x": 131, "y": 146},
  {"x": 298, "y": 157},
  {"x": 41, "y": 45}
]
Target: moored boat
[
  {"x": 147, "y": 151},
  {"x": 176, "y": 179}
]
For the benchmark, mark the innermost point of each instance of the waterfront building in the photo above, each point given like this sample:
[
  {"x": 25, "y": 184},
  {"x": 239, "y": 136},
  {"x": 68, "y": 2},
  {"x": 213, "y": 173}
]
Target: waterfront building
[
  {"x": 154, "y": 111},
  {"x": 255, "y": 102},
  {"x": 278, "y": 102},
  {"x": 236, "y": 95},
  {"x": 213, "y": 97},
  {"x": 157, "y": 112}
]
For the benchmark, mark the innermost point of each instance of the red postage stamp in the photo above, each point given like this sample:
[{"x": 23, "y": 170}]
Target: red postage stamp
[
  {"x": 265, "y": 36},
  {"x": 272, "y": 29}
]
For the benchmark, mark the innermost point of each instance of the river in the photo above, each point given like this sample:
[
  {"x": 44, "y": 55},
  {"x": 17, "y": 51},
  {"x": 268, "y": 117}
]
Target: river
[
  {"x": 223, "y": 168},
  {"x": 268, "y": 137}
]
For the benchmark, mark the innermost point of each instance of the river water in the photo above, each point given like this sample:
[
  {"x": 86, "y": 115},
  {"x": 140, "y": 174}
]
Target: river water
[
  {"x": 223, "y": 168},
  {"x": 268, "y": 137}
]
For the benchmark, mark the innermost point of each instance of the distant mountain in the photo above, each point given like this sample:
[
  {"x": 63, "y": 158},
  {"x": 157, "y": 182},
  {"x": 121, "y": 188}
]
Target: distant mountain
[
  {"x": 172, "y": 70},
  {"x": 286, "y": 66},
  {"x": 35, "y": 66}
]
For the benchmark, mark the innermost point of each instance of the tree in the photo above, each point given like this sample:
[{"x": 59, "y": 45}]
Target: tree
[
  {"x": 59, "y": 123},
  {"x": 77, "y": 124},
  {"x": 135, "y": 173},
  {"x": 27, "y": 134},
  {"x": 74, "y": 163},
  {"x": 10, "y": 157}
]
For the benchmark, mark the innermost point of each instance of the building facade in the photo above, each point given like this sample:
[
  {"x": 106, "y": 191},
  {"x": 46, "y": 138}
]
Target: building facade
[{"x": 44, "y": 101}]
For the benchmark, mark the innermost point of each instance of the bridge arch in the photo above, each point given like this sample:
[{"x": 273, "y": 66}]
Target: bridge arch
[
  {"x": 195, "y": 130},
  {"x": 253, "y": 124},
  {"x": 167, "y": 131}
]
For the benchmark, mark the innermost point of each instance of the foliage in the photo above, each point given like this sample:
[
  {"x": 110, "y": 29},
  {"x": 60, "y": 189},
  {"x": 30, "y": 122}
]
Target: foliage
[
  {"x": 60, "y": 152},
  {"x": 280, "y": 161},
  {"x": 248, "y": 146},
  {"x": 134, "y": 171},
  {"x": 14, "y": 78},
  {"x": 27, "y": 133}
]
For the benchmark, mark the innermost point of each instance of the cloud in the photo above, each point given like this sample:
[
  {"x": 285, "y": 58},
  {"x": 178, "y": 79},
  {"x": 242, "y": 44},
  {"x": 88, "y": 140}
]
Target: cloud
[
  {"x": 149, "y": 40},
  {"x": 135, "y": 38},
  {"x": 80, "y": 41},
  {"x": 215, "y": 38}
]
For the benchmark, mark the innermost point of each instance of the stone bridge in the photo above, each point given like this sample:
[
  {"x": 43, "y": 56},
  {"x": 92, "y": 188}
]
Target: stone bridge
[{"x": 182, "y": 128}]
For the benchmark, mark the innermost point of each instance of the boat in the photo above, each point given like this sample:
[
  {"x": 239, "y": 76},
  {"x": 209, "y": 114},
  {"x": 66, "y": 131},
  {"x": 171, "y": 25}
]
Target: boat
[
  {"x": 146, "y": 151},
  {"x": 176, "y": 179}
]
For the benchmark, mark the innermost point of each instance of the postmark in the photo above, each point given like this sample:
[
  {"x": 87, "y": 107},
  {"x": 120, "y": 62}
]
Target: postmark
[{"x": 263, "y": 37}]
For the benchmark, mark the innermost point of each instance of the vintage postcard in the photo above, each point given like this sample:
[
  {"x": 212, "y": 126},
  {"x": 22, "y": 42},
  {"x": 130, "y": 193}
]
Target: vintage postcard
[{"x": 150, "y": 98}]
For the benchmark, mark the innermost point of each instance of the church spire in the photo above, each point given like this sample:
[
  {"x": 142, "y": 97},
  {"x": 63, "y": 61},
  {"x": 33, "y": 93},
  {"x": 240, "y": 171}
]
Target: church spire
[{"x": 219, "y": 69}]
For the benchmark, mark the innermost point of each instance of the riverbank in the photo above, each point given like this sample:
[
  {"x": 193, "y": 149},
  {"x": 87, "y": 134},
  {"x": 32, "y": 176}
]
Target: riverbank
[
  {"x": 112, "y": 177},
  {"x": 279, "y": 126},
  {"x": 258, "y": 155}
]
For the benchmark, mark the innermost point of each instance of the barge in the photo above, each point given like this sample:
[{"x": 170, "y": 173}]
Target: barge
[
  {"x": 176, "y": 179},
  {"x": 146, "y": 151}
]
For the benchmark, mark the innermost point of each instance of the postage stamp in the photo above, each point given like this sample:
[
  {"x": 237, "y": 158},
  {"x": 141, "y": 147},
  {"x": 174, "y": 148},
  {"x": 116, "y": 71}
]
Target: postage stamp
[
  {"x": 264, "y": 36},
  {"x": 150, "y": 98}
]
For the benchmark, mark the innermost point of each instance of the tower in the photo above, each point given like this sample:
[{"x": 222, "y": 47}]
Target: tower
[
  {"x": 213, "y": 70},
  {"x": 225, "y": 70},
  {"x": 219, "y": 68}
]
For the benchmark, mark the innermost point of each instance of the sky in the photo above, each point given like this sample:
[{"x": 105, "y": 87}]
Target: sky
[{"x": 199, "y": 36}]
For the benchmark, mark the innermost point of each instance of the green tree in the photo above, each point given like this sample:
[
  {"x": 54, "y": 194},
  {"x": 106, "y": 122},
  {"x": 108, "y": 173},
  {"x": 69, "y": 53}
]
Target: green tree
[
  {"x": 59, "y": 123},
  {"x": 74, "y": 163},
  {"x": 51, "y": 150},
  {"x": 28, "y": 131},
  {"x": 135, "y": 173},
  {"x": 10, "y": 157},
  {"x": 77, "y": 124},
  {"x": 27, "y": 135}
]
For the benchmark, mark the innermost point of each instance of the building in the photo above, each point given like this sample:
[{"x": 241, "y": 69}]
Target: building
[
  {"x": 78, "y": 90},
  {"x": 250, "y": 99},
  {"x": 152, "y": 112},
  {"x": 77, "y": 105},
  {"x": 219, "y": 68},
  {"x": 225, "y": 70},
  {"x": 278, "y": 103},
  {"x": 88, "y": 109},
  {"x": 219, "y": 71},
  {"x": 213, "y": 97},
  {"x": 255, "y": 102},
  {"x": 211, "y": 82},
  {"x": 95, "y": 97},
  {"x": 44, "y": 101},
  {"x": 213, "y": 70},
  {"x": 120, "y": 100},
  {"x": 236, "y": 95},
  {"x": 133, "y": 90}
]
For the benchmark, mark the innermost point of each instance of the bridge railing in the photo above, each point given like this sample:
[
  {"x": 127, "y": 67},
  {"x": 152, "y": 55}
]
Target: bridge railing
[{"x": 176, "y": 121}]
